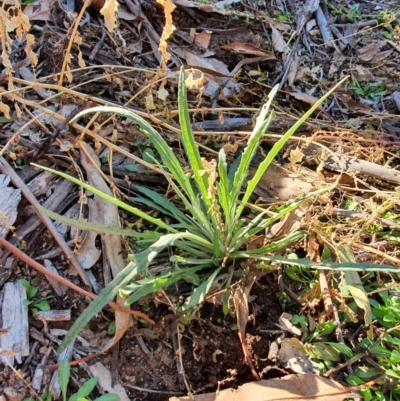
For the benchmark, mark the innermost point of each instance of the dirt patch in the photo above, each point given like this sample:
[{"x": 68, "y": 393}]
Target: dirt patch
[{"x": 147, "y": 360}]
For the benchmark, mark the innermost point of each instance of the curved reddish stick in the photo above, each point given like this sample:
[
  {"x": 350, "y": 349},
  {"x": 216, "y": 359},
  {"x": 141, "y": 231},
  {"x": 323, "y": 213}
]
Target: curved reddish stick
[{"x": 40, "y": 268}]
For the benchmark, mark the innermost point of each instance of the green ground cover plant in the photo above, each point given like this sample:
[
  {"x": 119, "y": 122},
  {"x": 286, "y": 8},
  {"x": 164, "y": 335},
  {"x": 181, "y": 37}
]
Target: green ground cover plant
[
  {"x": 210, "y": 232},
  {"x": 64, "y": 374},
  {"x": 34, "y": 305}
]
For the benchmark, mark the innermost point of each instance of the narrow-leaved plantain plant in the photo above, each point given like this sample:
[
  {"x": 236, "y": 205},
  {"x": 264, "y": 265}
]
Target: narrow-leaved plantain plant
[{"x": 211, "y": 230}]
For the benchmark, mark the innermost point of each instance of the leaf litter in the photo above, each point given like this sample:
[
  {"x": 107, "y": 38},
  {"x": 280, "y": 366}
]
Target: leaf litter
[{"x": 354, "y": 137}]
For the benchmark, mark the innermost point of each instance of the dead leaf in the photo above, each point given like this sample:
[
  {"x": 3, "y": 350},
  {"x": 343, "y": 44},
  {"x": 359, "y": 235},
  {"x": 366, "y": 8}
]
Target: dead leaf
[
  {"x": 289, "y": 224},
  {"x": 150, "y": 102},
  {"x": 105, "y": 381},
  {"x": 372, "y": 50},
  {"x": 346, "y": 98},
  {"x": 109, "y": 11},
  {"x": 5, "y": 109},
  {"x": 282, "y": 27},
  {"x": 304, "y": 97},
  {"x": 88, "y": 253},
  {"x": 202, "y": 39},
  {"x": 247, "y": 48},
  {"x": 284, "y": 185},
  {"x": 363, "y": 74},
  {"x": 288, "y": 388},
  {"x": 113, "y": 243},
  {"x": 295, "y": 156},
  {"x": 277, "y": 40},
  {"x": 304, "y": 14},
  {"x": 303, "y": 72},
  {"x": 381, "y": 56},
  {"x": 294, "y": 65},
  {"x": 162, "y": 93},
  {"x": 39, "y": 11},
  {"x": 168, "y": 30},
  {"x": 196, "y": 61},
  {"x": 240, "y": 299},
  {"x": 350, "y": 35},
  {"x": 211, "y": 83}
]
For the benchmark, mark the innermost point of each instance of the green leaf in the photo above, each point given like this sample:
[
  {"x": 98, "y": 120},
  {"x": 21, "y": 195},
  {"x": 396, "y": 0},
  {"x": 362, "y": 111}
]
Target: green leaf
[
  {"x": 156, "y": 283},
  {"x": 353, "y": 380},
  {"x": 31, "y": 290},
  {"x": 223, "y": 192},
  {"x": 342, "y": 348},
  {"x": 323, "y": 351},
  {"x": 323, "y": 329},
  {"x": 111, "y": 328},
  {"x": 87, "y": 387},
  {"x": 25, "y": 283},
  {"x": 300, "y": 320},
  {"x": 42, "y": 305},
  {"x": 98, "y": 228},
  {"x": 132, "y": 168},
  {"x": 200, "y": 292},
  {"x": 191, "y": 147},
  {"x": 250, "y": 151},
  {"x": 105, "y": 296},
  {"x": 355, "y": 286},
  {"x": 326, "y": 265},
  {"x": 110, "y": 198},
  {"x": 199, "y": 216},
  {"x": 278, "y": 145},
  {"x": 108, "y": 397},
  {"x": 273, "y": 246},
  {"x": 4, "y": 120},
  {"x": 148, "y": 155},
  {"x": 64, "y": 371},
  {"x": 232, "y": 171},
  {"x": 392, "y": 373},
  {"x": 139, "y": 266},
  {"x": 165, "y": 205}
]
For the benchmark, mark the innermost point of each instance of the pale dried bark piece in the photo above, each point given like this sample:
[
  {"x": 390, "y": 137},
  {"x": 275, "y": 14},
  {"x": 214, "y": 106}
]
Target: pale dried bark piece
[
  {"x": 42, "y": 183},
  {"x": 14, "y": 319},
  {"x": 57, "y": 287},
  {"x": 53, "y": 315},
  {"x": 9, "y": 200},
  {"x": 16, "y": 180},
  {"x": 323, "y": 24},
  {"x": 54, "y": 386},
  {"x": 39, "y": 374},
  {"x": 51, "y": 203},
  {"x": 286, "y": 324}
]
